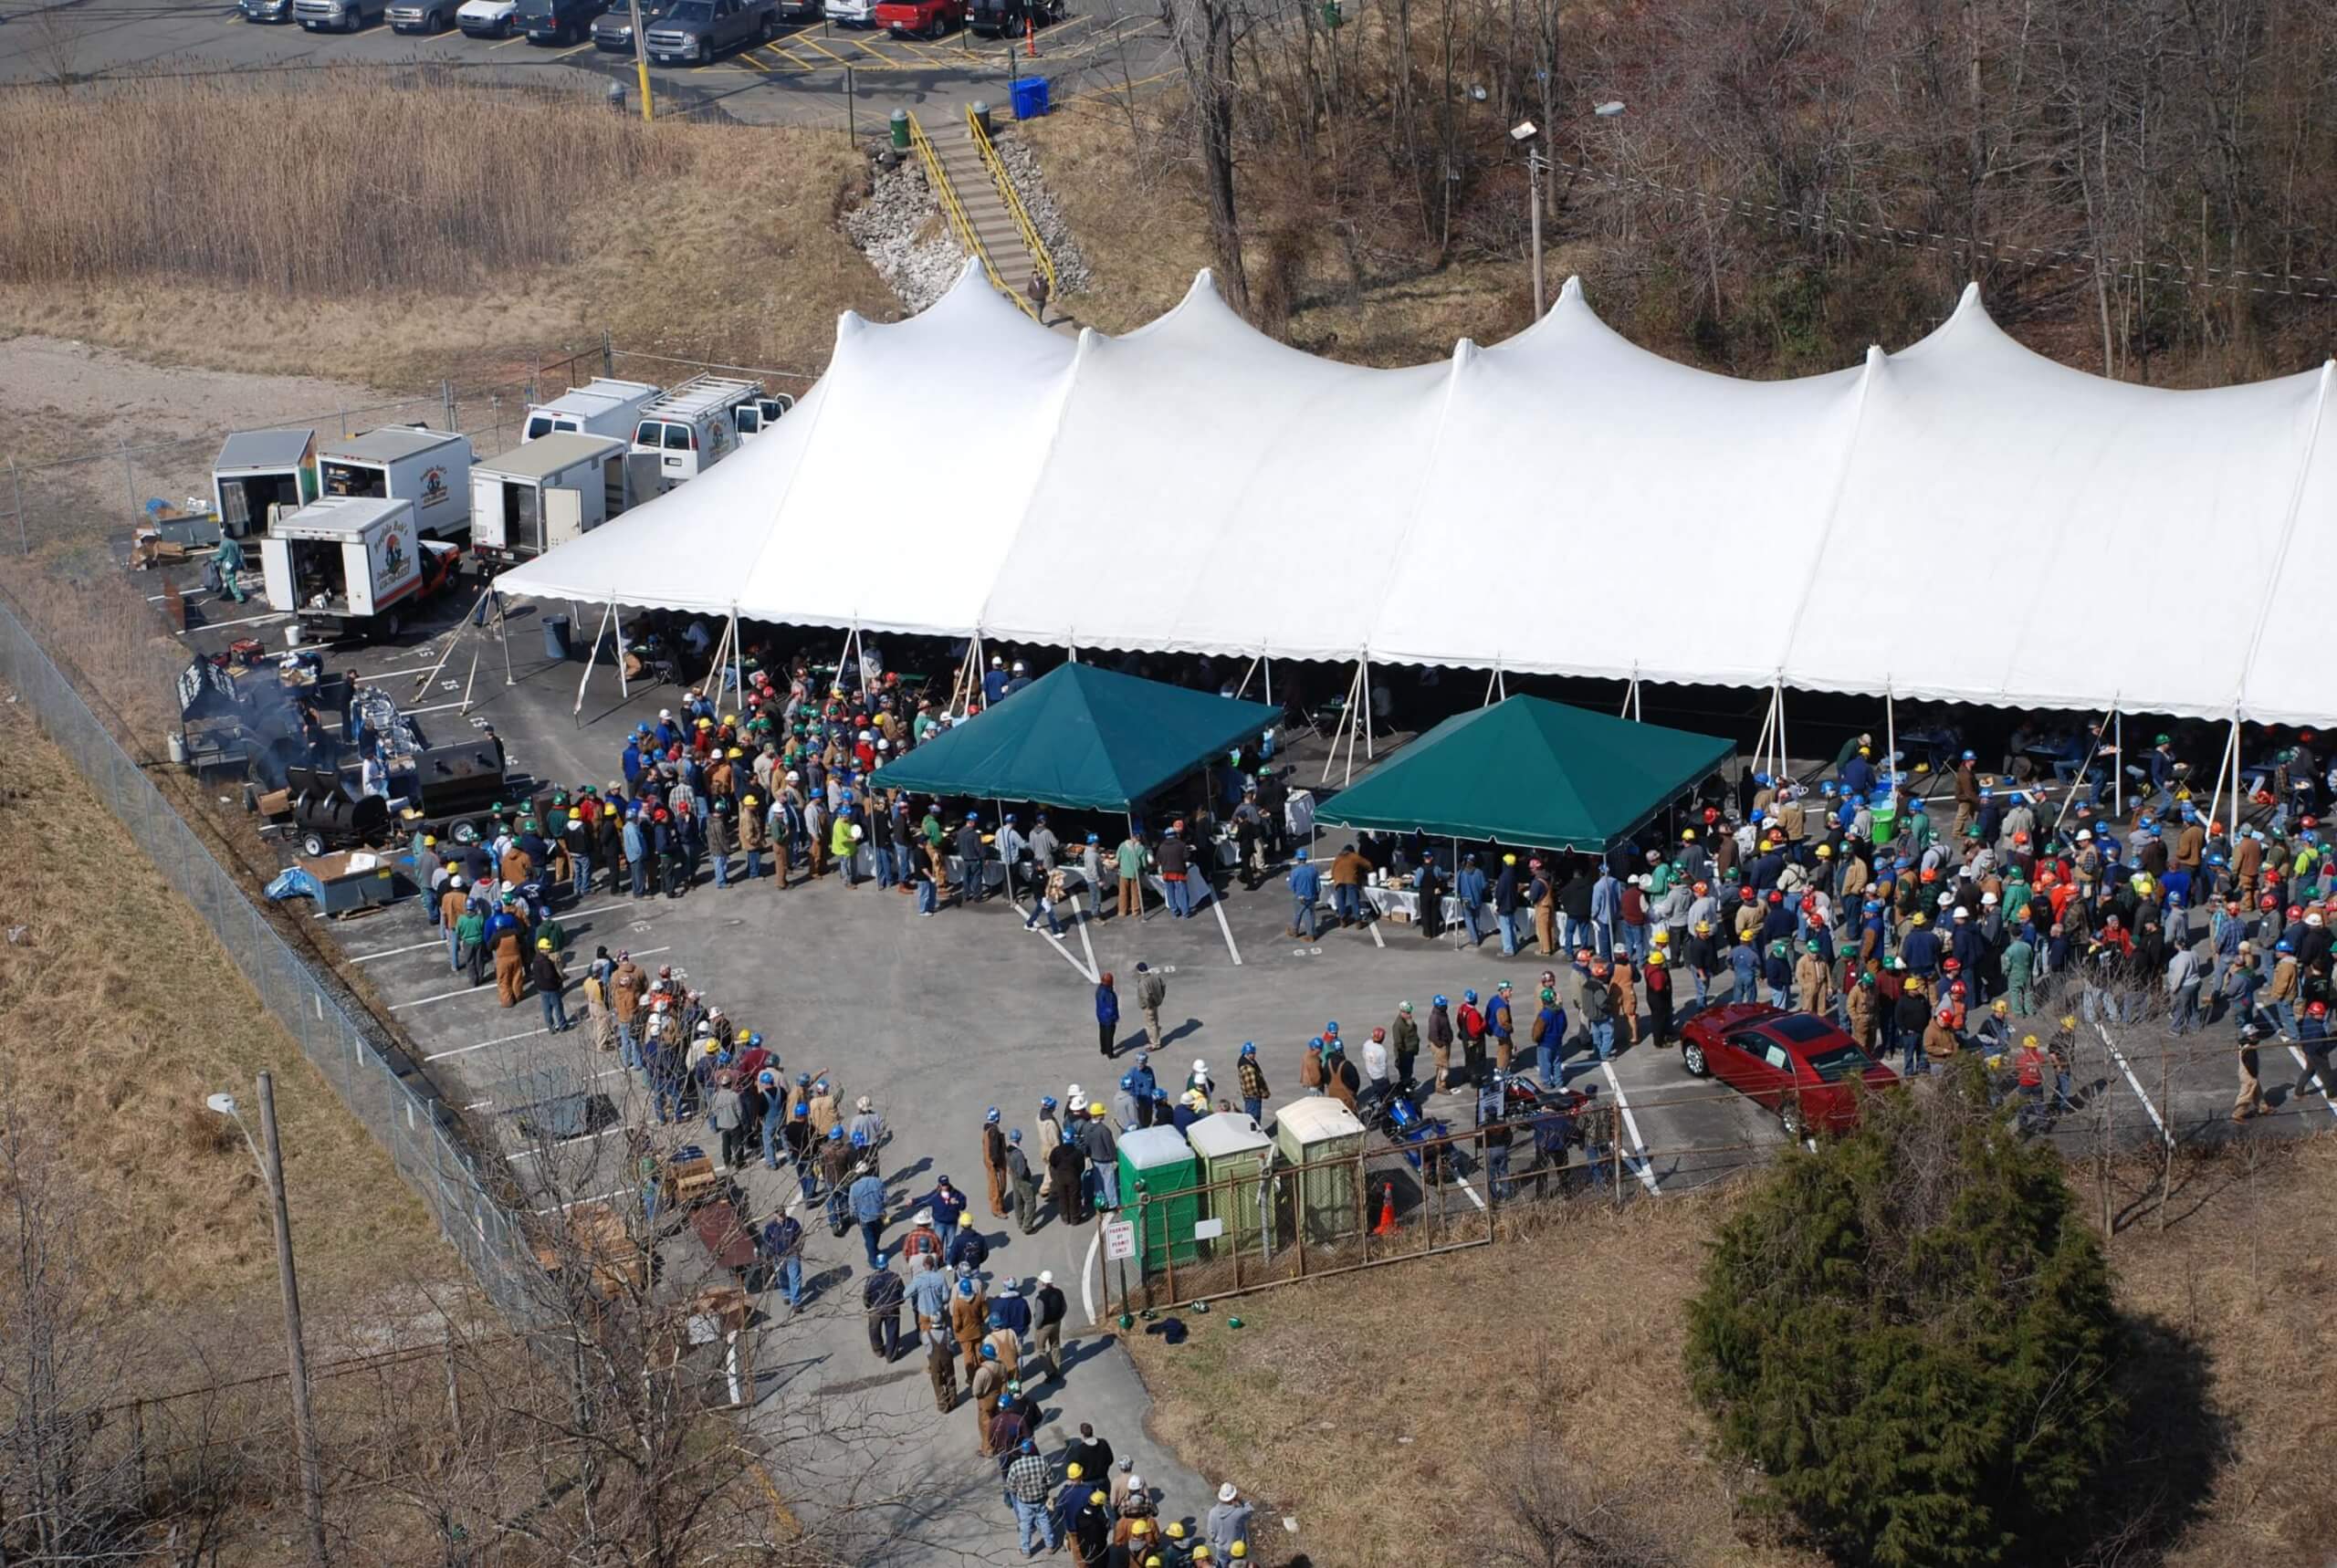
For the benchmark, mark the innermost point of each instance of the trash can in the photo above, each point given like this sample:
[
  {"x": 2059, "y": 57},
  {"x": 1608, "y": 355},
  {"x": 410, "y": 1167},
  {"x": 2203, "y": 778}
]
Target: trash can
[
  {"x": 900, "y": 131},
  {"x": 1233, "y": 1158},
  {"x": 1315, "y": 1131},
  {"x": 556, "y": 637},
  {"x": 1161, "y": 1158},
  {"x": 981, "y": 114},
  {"x": 1029, "y": 97}
]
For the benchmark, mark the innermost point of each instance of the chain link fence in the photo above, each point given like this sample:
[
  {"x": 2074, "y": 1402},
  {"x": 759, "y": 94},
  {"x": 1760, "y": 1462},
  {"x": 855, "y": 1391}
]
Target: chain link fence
[{"x": 381, "y": 1087}]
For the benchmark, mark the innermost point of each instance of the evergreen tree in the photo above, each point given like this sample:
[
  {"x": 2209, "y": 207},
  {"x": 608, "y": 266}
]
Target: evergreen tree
[{"x": 1908, "y": 1331}]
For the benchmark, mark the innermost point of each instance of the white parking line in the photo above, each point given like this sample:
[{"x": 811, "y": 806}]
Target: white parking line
[
  {"x": 482, "y": 1045},
  {"x": 1217, "y": 907},
  {"x": 579, "y": 1138},
  {"x": 575, "y": 1202},
  {"x": 2117, "y": 1056},
  {"x": 590, "y": 1078},
  {"x": 2328, "y": 1100},
  {"x": 441, "y": 942},
  {"x": 1462, "y": 1183},
  {"x": 483, "y": 991},
  {"x": 434, "y": 707},
  {"x": 247, "y": 620},
  {"x": 1631, "y": 1125}
]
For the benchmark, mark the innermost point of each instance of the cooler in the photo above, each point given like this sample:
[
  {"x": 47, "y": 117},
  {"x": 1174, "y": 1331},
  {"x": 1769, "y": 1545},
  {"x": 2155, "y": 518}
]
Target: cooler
[
  {"x": 1029, "y": 97},
  {"x": 1312, "y": 1130},
  {"x": 1234, "y": 1159},
  {"x": 1161, "y": 1158}
]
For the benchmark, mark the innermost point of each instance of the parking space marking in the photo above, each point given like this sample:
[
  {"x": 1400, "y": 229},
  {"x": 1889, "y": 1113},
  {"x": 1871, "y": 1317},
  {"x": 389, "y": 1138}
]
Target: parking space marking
[
  {"x": 2328, "y": 1100},
  {"x": 481, "y": 990},
  {"x": 514, "y": 39},
  {"x": 1631, "y": 1125},
  {"x": 589, "y": 1078},
  {"x": 1462, "y": 1183},
  {"x": 573, "y": 48},
  {"x": 482, "y": 1045},
  {"x": 780, "y": 50},
  {"x": 564, "y": 1143},
  {"x": 747, "y": 58},
  {"x": 810, "y": 43},
  {"x": 2165, "y": 1132},
  {"x": 575, "y": 1202},
  {"x": 247, "y": 620},
  {"x": 441, "y": 942}
]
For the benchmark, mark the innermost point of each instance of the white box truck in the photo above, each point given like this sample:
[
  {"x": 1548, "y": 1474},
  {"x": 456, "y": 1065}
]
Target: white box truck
[
  {"x": 546, "y": 492},
  {"x": 404, "y": 462},
  {"x": 693, "y": 427},
  {"x": 600, "y": 407},
  {"x": 352, "y": 566}
]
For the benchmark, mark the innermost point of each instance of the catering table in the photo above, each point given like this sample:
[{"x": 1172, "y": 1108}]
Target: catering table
[{"x": 1404, "y": 901}]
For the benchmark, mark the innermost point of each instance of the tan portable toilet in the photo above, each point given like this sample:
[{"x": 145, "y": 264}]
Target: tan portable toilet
[
  {"x": 1234, "y": 1155},
  {"x": 1310, "y": 1131}
]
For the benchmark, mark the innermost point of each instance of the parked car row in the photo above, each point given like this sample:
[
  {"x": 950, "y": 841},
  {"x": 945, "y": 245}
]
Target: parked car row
[{"x": 678, "y": 32}]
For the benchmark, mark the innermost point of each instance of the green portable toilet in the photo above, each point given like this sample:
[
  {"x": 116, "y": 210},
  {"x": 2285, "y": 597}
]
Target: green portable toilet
[
  {"x": 1312, "y": 1130},
  {"x": 1161, "y": 1159},
  {"x": 1233, "y": 1158}
]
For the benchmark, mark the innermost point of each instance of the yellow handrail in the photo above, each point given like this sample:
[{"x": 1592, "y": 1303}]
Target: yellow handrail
[
  {"x": 959, "y": 224},
  {"x": 1005, "y": 183}
]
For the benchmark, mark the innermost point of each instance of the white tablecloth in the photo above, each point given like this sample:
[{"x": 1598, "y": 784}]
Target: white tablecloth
[{"x": 1395, "y": 900}]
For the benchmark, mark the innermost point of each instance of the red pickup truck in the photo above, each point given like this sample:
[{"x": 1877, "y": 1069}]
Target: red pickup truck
[{"x": 920, "y": 18}]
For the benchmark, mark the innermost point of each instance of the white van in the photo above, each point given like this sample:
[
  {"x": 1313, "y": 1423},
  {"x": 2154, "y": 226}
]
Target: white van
[
  {"x": 692, "y": 427},
  {"x": 600, "y": 407}
]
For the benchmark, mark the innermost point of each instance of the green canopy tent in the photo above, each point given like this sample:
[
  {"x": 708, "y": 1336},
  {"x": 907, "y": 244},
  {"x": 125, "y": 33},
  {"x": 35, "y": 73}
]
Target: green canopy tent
[
  {"x": 1529, "y": 772},
  {"x": 1080, "y": 736}
]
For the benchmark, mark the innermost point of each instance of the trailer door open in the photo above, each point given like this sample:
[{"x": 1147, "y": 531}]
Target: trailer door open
[
  {"x": 563, "y": 517},
  {"x": 487, "y": 526},
  {"x": 276, "y": 569}
]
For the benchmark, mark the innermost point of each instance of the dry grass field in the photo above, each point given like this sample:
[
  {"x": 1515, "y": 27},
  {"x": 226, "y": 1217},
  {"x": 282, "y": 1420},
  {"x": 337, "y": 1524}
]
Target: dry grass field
[
  {"x": 121, "y": 1013},
  {"x": 283, "y": 236},
  {"x": 1395, "y": 1413}
]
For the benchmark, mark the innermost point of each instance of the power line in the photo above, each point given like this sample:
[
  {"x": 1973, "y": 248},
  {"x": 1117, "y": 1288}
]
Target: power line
[{"x": 2212, "y": 278}]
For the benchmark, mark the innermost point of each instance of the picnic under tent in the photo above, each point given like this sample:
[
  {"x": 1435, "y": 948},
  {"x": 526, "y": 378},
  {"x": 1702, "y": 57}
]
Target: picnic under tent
[
  {"x": 1080, "y": 736},
  {"x": 1195, "y": 486},
  {"x": 1532, "y": 773}
]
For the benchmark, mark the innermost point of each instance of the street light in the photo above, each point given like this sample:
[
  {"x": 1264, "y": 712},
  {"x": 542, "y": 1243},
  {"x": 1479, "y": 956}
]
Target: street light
[
  {"x": 271, "y": 1170},
  {"x": 1523, "y": 134}
]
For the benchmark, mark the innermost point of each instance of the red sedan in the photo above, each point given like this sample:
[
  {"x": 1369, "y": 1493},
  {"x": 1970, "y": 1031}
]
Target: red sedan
[
  {"x": 1800, "y": 1066},
  {"x": 920, "y": 18}
]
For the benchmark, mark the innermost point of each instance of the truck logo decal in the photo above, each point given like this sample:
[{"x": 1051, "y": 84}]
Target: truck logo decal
[
  {"x": 393, "y": 555},
  {"x": 434, "y": 487}
]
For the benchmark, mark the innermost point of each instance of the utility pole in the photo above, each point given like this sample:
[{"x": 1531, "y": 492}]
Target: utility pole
[
  {"x": 641, "y": 58},
  {"x": 1534, "y": 198},
  {"x": 312, "y": 1484}
]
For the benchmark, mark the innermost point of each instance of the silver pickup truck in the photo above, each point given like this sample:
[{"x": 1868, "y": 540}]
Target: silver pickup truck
[
  {"x": 695, "y": 31},
  {"x": 338, "y": 16}
]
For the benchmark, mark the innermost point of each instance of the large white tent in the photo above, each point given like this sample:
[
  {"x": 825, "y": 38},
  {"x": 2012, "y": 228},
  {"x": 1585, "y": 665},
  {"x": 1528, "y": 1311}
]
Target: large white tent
[{"x": 1962, "y": 519}]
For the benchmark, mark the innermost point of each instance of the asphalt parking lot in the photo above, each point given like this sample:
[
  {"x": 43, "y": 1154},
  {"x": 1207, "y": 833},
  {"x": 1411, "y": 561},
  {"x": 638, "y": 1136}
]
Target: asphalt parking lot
[
  {"x": 938, "y": 1018},
  {"x": 815, "y": 71}
]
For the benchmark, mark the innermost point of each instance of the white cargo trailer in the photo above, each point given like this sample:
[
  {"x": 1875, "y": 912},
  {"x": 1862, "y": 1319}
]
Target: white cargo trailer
[
  {"x": 404, "y": 462},
  {"x": 258, "y": 470},
  {"x": 546, "y": 492}
]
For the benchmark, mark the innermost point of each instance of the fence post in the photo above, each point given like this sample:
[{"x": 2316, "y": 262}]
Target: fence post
[
  {"x": 128, "y": 475},
  {"x": 608, "y": 355},
  {"x": 17, "y": 484},
  {"x": 344, "y": 424},
  {"x": 446, "y": 397}
]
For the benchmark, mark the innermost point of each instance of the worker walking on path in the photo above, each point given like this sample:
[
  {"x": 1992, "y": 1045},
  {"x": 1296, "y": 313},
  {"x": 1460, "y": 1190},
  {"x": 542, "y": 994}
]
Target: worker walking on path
[{"x": 1151, "y": 990}]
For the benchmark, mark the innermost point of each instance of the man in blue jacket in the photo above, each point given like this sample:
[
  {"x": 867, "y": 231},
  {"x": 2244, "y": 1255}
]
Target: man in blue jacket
[
  {"x": 1469, "y": 887},
  {"x": 1306, "y": 888},
  {"x": 867, "y": 1200}
]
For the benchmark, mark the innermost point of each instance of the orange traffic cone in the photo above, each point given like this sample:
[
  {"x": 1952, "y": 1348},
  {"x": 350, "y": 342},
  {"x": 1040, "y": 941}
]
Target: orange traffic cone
[
  {"x": 1029, "y": 36},
  {"x": 1387, "y": 1226}
]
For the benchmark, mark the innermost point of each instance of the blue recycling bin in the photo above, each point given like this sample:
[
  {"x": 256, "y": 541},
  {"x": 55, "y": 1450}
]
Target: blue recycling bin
[{"x": 1029, "y": 97}]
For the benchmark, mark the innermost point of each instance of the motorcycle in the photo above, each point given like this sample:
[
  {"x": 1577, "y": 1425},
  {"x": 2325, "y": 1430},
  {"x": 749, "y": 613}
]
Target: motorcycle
[{"x": 1417, "y": 1135}]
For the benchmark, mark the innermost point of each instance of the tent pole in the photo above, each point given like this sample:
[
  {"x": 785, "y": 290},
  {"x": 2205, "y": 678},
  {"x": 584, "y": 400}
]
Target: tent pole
[
  {"x": 844, "y": 655},
  {"x": 469, "y": 681},
  {"x": 1003, "y": 857},
  {"x": 1362, "y": 720},
  {"x": 503, "y": 630},
  {"x": 1368, "y": 753},
  {"x": 1139, "y": 870},
  {"x": 714, "y": 665},
  {"x": 625, "y": 686},
  {"x": 737, "y": 661},
  {"x": 1761, "y": 745},
  {"x": 421, "y": 681},
  {"x": 1492, "y": 675},
  {"x": 1500, "y": 677},
  {"x": 1631, "y": 690},
  {"x": 1890, "y": 734},
  {"x": 1639, "y": 702},
  {"x": 1347, "y": 718},
  {"x": 1268, "y": 659},
  {"x": 592, "y": 657},
  {"x": 1783, "y": 762},
  {"x": 2238, "y": 801},
  {"x": 2118, "y": 766},
  {"x": 2085, "y": 770},
  {"x": 1243, "y": 689},
  {"x": 2231, "y": 751}
]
